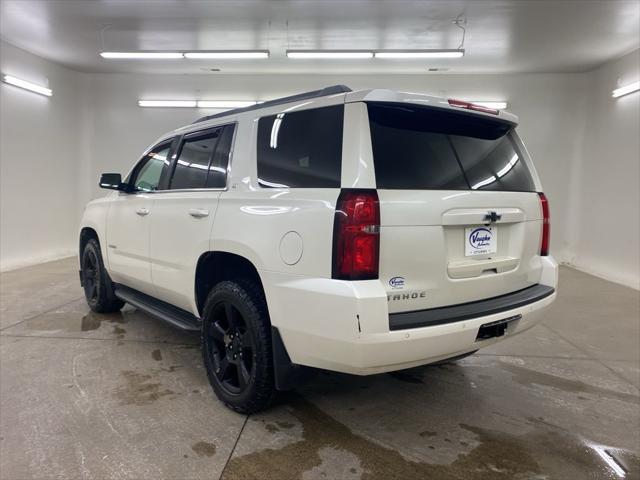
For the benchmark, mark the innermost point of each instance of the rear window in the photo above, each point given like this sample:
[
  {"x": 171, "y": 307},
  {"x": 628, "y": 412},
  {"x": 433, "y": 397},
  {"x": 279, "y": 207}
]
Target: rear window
[
  {"x": 420, "y": 148},
  {"x": 301, "y": 149}
]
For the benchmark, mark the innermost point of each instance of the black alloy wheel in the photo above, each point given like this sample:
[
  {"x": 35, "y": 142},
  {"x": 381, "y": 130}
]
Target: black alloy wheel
[
  {"x": 236, "y": 345},
  {"x": 90, "y": 275},
  {"x": 231, "y": 347}
]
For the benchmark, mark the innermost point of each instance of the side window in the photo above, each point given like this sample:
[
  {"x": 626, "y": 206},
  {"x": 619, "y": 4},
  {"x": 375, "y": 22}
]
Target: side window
[
  {"x": 301, "y": 149},
  {"x": 153, "y": 166},
  {"x": 217, "y": 177},
  {"x": 193, "y": 160}
]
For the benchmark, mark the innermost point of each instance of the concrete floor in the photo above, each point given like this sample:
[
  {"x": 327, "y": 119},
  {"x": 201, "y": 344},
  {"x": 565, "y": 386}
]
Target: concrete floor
[{"x": 125, "y": 396}]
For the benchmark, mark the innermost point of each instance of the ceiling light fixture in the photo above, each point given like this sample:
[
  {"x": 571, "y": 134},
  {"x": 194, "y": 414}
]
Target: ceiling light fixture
[
  {"x": 141, "y": 55},
  {"x": 408, "y": 54},
  {"x": 168, "y": 103},
  {"x": 32, "y": 87},
  {"x": 227, "y": 54},
  {"x": 225, "y": 103},
  {"x": 335, "y": 54},
  {"x": 626, "y": 90}
]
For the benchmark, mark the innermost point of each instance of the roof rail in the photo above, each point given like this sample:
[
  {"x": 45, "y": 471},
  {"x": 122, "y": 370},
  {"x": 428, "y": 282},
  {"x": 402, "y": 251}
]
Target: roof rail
[{"x": 332, "y": 90}]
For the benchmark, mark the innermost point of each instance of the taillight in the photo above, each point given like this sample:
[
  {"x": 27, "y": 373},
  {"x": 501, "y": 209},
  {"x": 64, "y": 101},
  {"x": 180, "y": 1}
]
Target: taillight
[
  {"x": 356, "y": 235},
  {"x": 544, "y": 244},
  {"x": 472, "y": 106}
]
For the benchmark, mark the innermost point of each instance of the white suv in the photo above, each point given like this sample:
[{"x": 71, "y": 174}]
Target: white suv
[{"x": 360, "y": 232}]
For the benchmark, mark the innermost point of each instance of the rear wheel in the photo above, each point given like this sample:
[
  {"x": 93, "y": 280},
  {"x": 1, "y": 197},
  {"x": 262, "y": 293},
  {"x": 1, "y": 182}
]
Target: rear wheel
[
  {"x": 236, "y": 346},
  {"x": 98, "y": 289}
]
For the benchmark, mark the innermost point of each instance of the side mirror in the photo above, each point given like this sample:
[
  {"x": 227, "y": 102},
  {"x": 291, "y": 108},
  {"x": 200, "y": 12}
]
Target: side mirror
[{"x": 112, "y": 181}]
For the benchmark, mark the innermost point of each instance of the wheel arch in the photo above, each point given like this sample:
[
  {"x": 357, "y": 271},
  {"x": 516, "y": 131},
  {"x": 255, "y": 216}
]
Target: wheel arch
[
  {"x": 86, "y": 234},
  {"x": 216, "y": 266}
]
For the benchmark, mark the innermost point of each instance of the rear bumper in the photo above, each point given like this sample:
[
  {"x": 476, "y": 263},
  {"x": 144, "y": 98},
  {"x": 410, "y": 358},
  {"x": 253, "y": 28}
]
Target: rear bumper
[
  {"x": 401, "y": 349},
  {"x": 457, "y": 313},
  {"x": 345, "y": 326}
]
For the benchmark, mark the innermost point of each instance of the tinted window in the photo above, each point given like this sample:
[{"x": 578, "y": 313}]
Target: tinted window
[
  {"x": 301, "y": 149},
  {"x": 493, "y": 164},
  {"x": 153, "y": 166},
  {"x": 193, "y": 160},
  {"x": 218, "y": 167},
  {"x": 425, "y": 148}
]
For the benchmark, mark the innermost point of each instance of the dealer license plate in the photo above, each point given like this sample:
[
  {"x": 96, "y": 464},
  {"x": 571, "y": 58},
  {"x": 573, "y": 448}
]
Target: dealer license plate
[{"x": 480, "y": 240}]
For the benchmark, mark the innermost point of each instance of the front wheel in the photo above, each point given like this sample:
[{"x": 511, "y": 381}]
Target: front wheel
[
  {"x": 236, "y": 346},
  {"x": 98, "y": 289}
]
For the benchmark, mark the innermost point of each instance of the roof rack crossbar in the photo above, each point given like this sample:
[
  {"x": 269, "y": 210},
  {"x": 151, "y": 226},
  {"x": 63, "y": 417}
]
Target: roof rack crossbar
[{"x": 332, "y": 90}]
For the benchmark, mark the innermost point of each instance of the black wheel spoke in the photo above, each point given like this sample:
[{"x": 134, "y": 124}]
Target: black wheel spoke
[
  {"x": 216, "y": 331},
  {"x": 231, "y": 315},
  {"x": 243, "y": 375},
  {"x": 222, "y": 368}
]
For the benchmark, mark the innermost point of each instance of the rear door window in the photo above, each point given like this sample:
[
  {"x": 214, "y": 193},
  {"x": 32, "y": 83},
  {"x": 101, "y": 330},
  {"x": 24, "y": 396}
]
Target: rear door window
[
  {"x": 192, "y": 165},
  {"x": 421, "y": 148},
  {"x": 301, "y": 149}
]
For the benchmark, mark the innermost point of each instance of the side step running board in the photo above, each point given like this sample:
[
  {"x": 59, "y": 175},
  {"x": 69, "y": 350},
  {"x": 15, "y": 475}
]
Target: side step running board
[{"x": 175, "y": 316}]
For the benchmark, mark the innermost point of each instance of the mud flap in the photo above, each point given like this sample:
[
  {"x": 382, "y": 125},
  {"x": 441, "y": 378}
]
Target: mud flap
[{"x": 287, "y": 375}]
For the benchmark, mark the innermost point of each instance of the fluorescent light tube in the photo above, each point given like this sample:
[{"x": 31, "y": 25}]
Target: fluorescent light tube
[
  {"x": 337, "y": 54},
  {"x": 627, "y": 89},
  {"x": 228, "y": 54},
  {"x": 495, "y": 105},
  {"x": 404, "y": 54},
  {"x": 167, "y": 103},
  {"x": 225, "y": 103},
  {"x": 32, "y": 87},
  {"x": 141, "y": 55}
]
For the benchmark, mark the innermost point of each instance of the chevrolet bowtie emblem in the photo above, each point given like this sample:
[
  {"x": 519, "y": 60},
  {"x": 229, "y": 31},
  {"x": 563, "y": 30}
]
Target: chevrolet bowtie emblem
[{"x": 492, "y": 217}]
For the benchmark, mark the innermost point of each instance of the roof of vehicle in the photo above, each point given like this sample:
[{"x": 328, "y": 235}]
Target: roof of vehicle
[
  {"x": 323, "y": 92},
  {"x": 350, "y": 96}
]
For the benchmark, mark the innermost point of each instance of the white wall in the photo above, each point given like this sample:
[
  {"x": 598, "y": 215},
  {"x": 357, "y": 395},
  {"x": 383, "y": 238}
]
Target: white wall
[
  {"x": 550, "y": 107},
  {"x": 38, "y": 162},
  {"x": 606, "y": 238}
]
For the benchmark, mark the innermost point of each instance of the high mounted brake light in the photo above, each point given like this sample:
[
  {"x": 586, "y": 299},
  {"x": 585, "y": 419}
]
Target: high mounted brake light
[
  {"x": 356, "y": 235},
  {"x": 544, "y": 243},
  {"x": 472, "y": 106}
]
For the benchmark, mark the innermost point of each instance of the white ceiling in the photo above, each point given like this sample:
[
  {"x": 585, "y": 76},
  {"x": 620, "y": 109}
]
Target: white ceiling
[{"x": 502, "y": 36}]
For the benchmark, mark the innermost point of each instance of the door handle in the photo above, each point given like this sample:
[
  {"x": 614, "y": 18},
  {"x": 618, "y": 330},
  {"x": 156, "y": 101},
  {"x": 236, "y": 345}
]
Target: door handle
[
  {"x": 198, "y": 212},
  {"x": 142, "y": 211}
]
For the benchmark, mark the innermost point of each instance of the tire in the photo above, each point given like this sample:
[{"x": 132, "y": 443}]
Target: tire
[
  {"x": 98, "y": 288},
  {"x": 236, "y": 346}
]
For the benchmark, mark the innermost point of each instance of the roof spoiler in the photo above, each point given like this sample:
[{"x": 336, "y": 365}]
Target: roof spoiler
[{"x": 332, "y": 90}]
